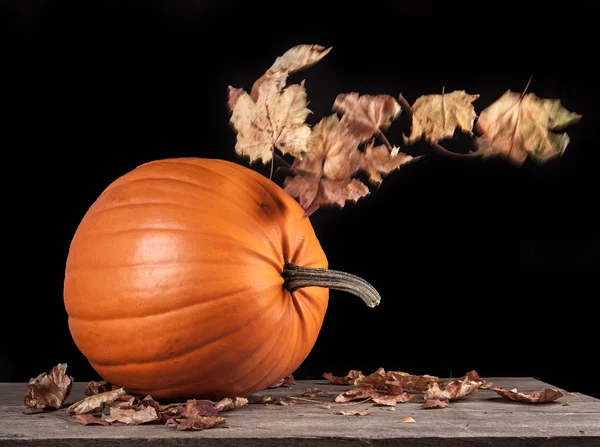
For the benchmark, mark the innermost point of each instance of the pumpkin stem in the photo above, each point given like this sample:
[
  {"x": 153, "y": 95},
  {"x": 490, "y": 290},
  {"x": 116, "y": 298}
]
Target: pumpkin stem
[{"x": 296, "y": 277}]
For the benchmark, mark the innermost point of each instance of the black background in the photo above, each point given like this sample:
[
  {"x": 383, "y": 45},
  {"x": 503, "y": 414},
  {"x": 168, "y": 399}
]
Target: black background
[{"x": 481, "y": 265}]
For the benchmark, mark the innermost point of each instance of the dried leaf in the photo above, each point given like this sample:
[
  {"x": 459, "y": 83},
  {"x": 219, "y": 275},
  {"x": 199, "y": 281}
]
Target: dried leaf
[
  {"x": 378, "y": 161},
  {"x": 97, "y": 387},
  {"x": 286, "y": 381},
  {"x": 364, "y": 116},
  {"x": 49, "y": 390},
  {"x": 409, "y": 420},
  {"x": 358, "y": 393},
  {"x": 326, "y": 406},
  {"x": 314, "y": 392},
  {"x": 455, "y": 389},
  {"x": 265, "y": 400},
  {"x": 394, "y": 388},
  {"x": 391, "y": 400},
  {"x": 323, "y": 177},
  {"x": 537, "y": 397},
  {"x": 474, "y": 376},
  {"x": 96, "y": 402},
  {"x": 436, "y": 117},
  {"x": 287, "y": 401},
  {"x": 273, "y": 116},
  {"x": 348, "y": 379},
  {"x": 375, "y": 380},
  {"x": 435, "y": 403},
  {"x": 413, "y": 382},
  {"x": 229, "y": 403},
  {"x": 353, "y": 413},
  {"x": 132, "y": 416},
  {"x": 88, "y": 419},
  {"x": 196, "y": 423},
  {"x": 517, "y": 126}
]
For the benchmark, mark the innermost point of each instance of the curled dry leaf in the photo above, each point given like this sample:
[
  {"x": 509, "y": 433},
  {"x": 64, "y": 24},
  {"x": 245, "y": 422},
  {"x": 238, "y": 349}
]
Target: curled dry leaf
[
  {"x": 474, "y": 376},
  {"x": 353, "y": 413},
  {"x": 436, "y": 117},
  {"x": 90, "y": 419},
  {"x": 408, "y": 420},
  {"x": 537, "y": 397},
  {"x": 348, "y": 379},
  {"x": 455, "y": 389},
  {"x": 97, "y": 387},
  {"x": 96, "y": 402},
  {"x": 48, "y": 390},
  {"x": 379, "y": 160},
  {"x": 366, "y": 115},
  {"x": 435, "y": 403},
  {"x": 389, "y": 400},
  {"x": 273, "y": 116},
  {"x": 196, "y": 423},
  {"x": 132, "y": 416},
  {"x": 314, "y": 392},
  {"x": 517, "y": 126},
  {"x": 287, "y": 401},
  {"x": 326, "y": 406},
  {"x": 413, "y": 382},
  {"x": 229, "y": 403},
  {"x": 286, "y": 381}
]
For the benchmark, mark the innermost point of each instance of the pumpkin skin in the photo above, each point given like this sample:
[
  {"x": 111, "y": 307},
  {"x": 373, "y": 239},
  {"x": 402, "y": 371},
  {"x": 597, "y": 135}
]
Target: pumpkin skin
[{"x": 173, "y": 281}]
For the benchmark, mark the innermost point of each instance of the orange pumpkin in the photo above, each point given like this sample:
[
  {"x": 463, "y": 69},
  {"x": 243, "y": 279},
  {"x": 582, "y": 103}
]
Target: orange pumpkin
[{"x": 179, "y": 281}]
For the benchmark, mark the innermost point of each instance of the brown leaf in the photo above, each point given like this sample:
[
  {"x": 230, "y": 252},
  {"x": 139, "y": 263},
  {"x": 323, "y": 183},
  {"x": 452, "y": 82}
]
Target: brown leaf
[
  {"x": 49, "y": 390},
  {"x": 88, "y": 419},
  {"x": 314, "y": 392},
  {"x": 474, "y": 376},
  {"x": 265, "y": 400},
  {"x": 358, "y": 393},
  {"x": 97, "y": 387},
  {"x": 348, "y": 379},
  {"x": 131, "y": 416},
  {"x": 435, "y": 403},
  {"x": 326, "y": 406},
  {"x": 353, "y": 413},
  {"x": 375, "y": 380},
  {"x": 394, "y": 388},
  {"x": 408, "y": 420},
  {"x": 391, "y": 400},
  {"x": 364, "y": 116},
  {"x": 436, "y": 117},
  {"x": 196, "y": 423},
  {"x": 273, "y": 116},
  {"x": 455, "y": 389},
  {"x": 287, "y": 401},
  {"x": 96, "y": 402},
  {"x": 378, "y": 161},
  {"x": 286, "y": 381},
  {"x": 413, "y": 382},
  {"x": 537, "y": 397},
  {"x": 517, "y": 126},
  {"x": 323, "y": 177},
  {"x": 229, "y": 403}
]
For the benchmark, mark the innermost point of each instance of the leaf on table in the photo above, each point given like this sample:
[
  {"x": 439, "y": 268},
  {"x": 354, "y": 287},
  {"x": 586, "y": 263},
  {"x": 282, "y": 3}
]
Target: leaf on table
[
  {"x": 348, "y": 379},
  {"x": 456, "y": 389},
  {"x": 229, "y": 403},
  {"x": 323, "y": 177},
  {"x": 97, "y": 387},
  {"x": 517, "y": 126},
  {"x": 287, "y": 401},
  {"x": 96, "y": 402},
  {"x": 118, "y": 416},
  {"x": 353, "y": 413},
  {"x": 435, "y": 403},
  {"x": 358, "y": 393},
  {"x": 375, "y": 380},
  {"x": 314, "y": 392},
  {"x": 408, "y": 420},
  {"x": 268, "y": 399},
  {"x": 436, "y": 117},
  {"x": 49, "y": 390},
  {"x": 286, "y": 381},
  {"x": 413, "y": 382},
  {"x": 326, "y": 406},
  {"x": 365, "y": 116},
  {"x": 273, "y": 116},
  {"x": 391, "y": 400},
  {"x": 196, "y": 423},
  {"x": 537, "y": 397},
  {"x": 378, "y": 161},
  {"x": 89, "y": 419},
  {"x": 474, "y": 376}
]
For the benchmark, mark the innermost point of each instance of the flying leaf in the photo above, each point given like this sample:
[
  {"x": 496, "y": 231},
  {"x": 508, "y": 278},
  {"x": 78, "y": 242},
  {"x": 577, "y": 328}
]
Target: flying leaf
[
  {"x": 436, "y": 117},
  {"x": 379, "y": 160},
  {"x": 48, "y": 390},
  {"x": 348, "y": 379},
  {"x": 366, "y": 115},
  {"x": 324, "y": 175},
  {"x": 517, "y": 126},
  {"x": 96, "y": 402},
  {"x": 272, "y": 116},
  {"x": 118, "y": 416},
  {"x": 455, "y": 389},
  {"x": 435, "y": 403},
  {"x": 536, "y": 397}
]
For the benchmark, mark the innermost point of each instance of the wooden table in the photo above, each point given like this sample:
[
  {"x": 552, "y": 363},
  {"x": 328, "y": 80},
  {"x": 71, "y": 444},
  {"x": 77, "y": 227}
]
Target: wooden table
[{"x": 480, "y": 419}]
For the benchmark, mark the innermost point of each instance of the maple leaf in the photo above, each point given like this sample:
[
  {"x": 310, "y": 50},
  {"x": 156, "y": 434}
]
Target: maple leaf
[
  {"x": 436, "y": 117},
  {"x": 97, "y": 387},
  {"x": 96, "y": 402},
  {"x": 229, "y": 403},
  {"x": 48, "y": 390},
  {"x": 520, "y": 125},
  {"x": 272, "y": 116},
  {"x": 536, "y": 397},
  {"x": 324, "y": 176},
  {"x": 134, "y": 416},
  {"x": 379, "y": 160},
  {"x": 474, "y": 376},
  {"x": 413, "y": 382},
  {"x": 365, "y": 116},
  {"x": 455, "y": 389},
  {"x": 435, "y": 403},
  {"x": 348, "y": 379}
]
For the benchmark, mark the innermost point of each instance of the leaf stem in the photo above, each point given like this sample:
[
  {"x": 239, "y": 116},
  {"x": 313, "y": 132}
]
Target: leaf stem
[
  {"x": 297, "y": 277},
  {"x": 384, "y": 140}
]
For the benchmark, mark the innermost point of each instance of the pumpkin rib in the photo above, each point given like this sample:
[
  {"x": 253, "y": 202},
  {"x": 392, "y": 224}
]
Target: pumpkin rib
[{"x": 200, "y": 303}]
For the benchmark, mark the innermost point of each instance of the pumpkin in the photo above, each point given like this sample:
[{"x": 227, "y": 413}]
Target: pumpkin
[{"x": 197, "y": 278}]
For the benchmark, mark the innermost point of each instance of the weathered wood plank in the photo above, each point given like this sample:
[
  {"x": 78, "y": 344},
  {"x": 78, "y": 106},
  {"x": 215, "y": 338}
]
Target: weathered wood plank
[{"x": 481, "y": 419}]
